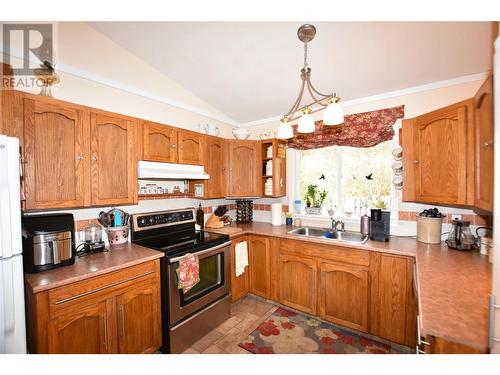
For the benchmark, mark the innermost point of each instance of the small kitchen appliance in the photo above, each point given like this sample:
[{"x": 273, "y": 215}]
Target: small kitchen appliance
[
  {"x": 93, "y": 239},
  {"x": 380, "y": 225},
  {"x": 48, "y": 241},
  {"x": 187, "y": 316},
  {"x": 460, "y": 237}
]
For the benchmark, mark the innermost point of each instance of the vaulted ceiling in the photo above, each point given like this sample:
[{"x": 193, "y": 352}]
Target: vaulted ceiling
[{"x": 250, "y": 70}]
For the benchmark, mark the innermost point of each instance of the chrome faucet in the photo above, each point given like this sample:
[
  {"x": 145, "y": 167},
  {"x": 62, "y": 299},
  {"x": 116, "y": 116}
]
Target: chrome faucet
[{"x": 336, "y": 223}]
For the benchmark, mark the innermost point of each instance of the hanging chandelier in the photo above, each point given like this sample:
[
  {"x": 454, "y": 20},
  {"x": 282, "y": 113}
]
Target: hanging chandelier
[{"x": 333, "y": 115}]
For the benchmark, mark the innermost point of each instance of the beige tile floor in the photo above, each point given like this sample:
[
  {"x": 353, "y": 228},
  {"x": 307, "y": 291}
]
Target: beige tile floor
[{"x": 246, "y": 315}]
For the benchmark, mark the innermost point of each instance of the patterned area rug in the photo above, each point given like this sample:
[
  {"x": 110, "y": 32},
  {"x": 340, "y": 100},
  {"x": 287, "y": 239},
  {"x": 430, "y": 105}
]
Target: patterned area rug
[{"x": 286, "y": 332}]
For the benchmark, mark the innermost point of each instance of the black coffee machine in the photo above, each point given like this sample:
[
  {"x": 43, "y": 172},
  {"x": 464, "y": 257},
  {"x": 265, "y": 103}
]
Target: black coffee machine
[{"x": 380, "y": 225}]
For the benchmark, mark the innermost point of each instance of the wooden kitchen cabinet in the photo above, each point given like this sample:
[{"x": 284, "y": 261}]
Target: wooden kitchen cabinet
[
  {"x": 56, "y": 159},
  {"x": 190, "y": 147},
  {"x": 278, "y": 160},
  {"x": 483, "y": 110},
  {"x": 393, "y": 307},
  {"x": 239, "y": 285},
  {"x": 117, "y": 312},
  {"x": 343, "y": 296},
  {"x": 298, "y": 279},
  {"x": 82, "y": 331},
  {"x": 138, "y": 321},
  {"x": 259, "y": 266},
  {"x": 159, "y": 142},
  {"x": 439, "y": 164},
  {"x": 113, "y": 159},
  {"x": 244, "y": 169}
]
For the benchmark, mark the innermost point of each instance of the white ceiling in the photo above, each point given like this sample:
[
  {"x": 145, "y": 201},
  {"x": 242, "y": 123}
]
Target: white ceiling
[{"x": 250, "y": 71}]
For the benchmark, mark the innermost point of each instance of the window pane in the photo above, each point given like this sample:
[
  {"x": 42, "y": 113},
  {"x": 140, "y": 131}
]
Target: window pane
[
  {"x": 357, "y": 164},
  {"x": 313, "y": 165}
]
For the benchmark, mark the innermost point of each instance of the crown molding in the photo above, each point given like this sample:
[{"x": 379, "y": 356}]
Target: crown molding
[
  {"x": 89, "y": 76},
  {"x": 391, "y": 94}
]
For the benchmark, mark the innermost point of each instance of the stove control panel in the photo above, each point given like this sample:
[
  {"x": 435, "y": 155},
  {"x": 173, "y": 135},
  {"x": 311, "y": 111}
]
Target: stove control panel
[{"x": 163, "y": 218}]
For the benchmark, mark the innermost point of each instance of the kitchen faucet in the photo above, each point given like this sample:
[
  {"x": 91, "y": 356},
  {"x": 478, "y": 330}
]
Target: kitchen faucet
[{"x": 335, "y": 224}]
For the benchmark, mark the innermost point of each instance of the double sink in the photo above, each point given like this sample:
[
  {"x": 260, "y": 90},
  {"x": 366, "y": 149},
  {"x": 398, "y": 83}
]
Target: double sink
[{"x": 328, "y": 234}]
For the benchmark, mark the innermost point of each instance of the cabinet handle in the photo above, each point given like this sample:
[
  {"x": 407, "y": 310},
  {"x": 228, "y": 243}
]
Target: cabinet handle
[
  {"x": 123, "y": 322},
  {"x": 488, "y": 144},
  {"x": 281, "y": 182},
  {"x": 79, "y": 157},
  {"x": 105, "y": 333},
  {"x": 173, "y": 146},
  {"x": 415, "y": 161},
  {"x": 94, "y": 157}
]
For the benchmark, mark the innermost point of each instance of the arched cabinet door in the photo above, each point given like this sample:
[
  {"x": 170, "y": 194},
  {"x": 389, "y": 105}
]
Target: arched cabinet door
[
  {"x": 113, "y": 159},
  {"x": 55, "y": 153},
  {"x": 86, "y": 330},
  {"x": 216, "y": 167},
  {"x": 244, "y": 173},
  {"x": 344, "y": 295},
  {"x": 298, "y": 279},
  {"x": 190, "y": 147},
  {"x": 159, "y": 142},
  {"x": 259, "y": 266}
]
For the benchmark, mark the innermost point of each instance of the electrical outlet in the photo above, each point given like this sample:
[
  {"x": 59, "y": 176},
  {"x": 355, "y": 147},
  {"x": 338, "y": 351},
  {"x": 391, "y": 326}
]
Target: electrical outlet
[{"x": 457, "y": 217}]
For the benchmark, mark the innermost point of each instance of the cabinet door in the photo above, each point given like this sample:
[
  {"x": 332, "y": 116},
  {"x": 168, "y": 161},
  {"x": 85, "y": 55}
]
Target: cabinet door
[
  {"x": 344, "y": 295},
  {"x": 244, "y": 172},
  {"x": 298, "y": 280},
  {"x": 190, "y": 147},
  {"x": 483, "y": 105},
  {"x": 389, "y": 297},
  {"x": 56, "y": 140},
  {"x": 159, "y": 142},
  {"x": 440, "y": 147},
  {"x": 216, "y": 166},
  {"x": 139, "y": 322},
  {"x": 260, "y": 276},
  {"x": 239, "y": 285},
  {"x": 87, "y": 330},
  {"x": 114, "y": 160}
]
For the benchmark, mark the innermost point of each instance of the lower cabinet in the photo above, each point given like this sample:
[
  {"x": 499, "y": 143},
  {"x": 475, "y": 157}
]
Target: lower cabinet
[
  {"x": 259, "y": 266},
  {"x": 343, "y": 296},
  {"x": 239, "y": 285},
  {"x": 298, "y": 279},
  {"x": 113, "y": 313}
]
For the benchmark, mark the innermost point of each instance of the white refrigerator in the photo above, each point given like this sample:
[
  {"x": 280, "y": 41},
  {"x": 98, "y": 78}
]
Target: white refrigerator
[{"x": 12, "y": 315}]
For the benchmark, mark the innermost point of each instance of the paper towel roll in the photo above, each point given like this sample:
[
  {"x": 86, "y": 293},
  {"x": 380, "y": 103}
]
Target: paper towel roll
[{"x": 276, "y": 214}]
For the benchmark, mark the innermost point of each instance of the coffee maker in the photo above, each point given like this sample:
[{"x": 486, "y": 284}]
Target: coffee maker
[{"x": 380, "y": 225}]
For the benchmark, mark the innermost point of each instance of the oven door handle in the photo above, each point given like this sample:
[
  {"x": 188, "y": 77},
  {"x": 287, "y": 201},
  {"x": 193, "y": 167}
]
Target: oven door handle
[{"x": 212, "y": 249}]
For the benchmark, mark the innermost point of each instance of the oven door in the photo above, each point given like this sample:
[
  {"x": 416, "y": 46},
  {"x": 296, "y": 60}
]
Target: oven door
[{"x": 214, "y": 283}]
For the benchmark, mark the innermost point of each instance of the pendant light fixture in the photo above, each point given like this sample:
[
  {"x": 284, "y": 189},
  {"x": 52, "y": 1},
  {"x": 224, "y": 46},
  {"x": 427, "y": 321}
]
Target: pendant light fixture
[{"x": 333, "y": 115}]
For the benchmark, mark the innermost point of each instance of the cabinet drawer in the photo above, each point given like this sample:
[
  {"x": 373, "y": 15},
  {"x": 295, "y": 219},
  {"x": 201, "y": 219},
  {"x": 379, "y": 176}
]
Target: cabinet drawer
[
  {"x": 99, "y": 287},
  {"x": 331, "y": 252}
]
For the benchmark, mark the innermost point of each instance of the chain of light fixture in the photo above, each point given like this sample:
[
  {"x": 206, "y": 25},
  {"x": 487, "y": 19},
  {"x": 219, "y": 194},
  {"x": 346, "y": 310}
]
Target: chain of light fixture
[{"x": 333, "y": 114}]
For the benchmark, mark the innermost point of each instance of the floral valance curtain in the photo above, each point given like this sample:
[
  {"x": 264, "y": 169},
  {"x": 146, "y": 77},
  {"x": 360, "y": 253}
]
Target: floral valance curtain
[{"x": 365, "y": 129}]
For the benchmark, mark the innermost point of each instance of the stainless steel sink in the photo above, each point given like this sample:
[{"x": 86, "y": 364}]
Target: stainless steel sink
[{"x": 324, "y": 233}]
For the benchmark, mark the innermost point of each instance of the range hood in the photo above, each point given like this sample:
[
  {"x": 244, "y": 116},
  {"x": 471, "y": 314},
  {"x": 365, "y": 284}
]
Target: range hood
[{"x": 149, "y": 170}]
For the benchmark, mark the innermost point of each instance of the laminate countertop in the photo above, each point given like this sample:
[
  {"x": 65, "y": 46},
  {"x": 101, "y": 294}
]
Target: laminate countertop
[
  {"x": 453, "y": 286},
  {"x": 92, "y": 265}
]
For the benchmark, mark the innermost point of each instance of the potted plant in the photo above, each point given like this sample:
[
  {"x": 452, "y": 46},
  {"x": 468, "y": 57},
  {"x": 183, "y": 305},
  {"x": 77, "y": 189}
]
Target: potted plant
[
  {"x": 315, "y": 198},
  {"x": 379, "y": 202}
]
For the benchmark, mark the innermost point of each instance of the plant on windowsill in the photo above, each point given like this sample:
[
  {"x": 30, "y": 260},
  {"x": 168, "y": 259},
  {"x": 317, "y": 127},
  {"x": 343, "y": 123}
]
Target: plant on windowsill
[
  {"x": 379, "y": 202},
  {"x": 315, "y": 198}
]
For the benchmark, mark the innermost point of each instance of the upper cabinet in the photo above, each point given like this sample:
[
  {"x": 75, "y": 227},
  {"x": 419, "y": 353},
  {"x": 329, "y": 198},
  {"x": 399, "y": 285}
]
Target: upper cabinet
[
  {"x": 190, "y": 145},
  {"x": 216, "y": 167},
  {"x": 483, "y": 106},
  {"x": 274, "y": 152},
  {"x": 159, "y": 142},
  {"x": 113, "y": 159},
  {"x": 244, "y": 169},
  {"x": 56, "y": 160},
  {"x": 438, "y": 156}
]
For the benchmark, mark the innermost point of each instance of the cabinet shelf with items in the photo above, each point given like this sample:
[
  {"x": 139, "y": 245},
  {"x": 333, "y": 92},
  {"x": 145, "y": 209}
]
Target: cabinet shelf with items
[{"x": 273, "y": 165}]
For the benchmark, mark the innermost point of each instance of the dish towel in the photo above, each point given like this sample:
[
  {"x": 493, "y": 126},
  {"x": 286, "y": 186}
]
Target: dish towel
[
  {"x": 241, "y": 255},
  {"x": 188, "y": 272}
]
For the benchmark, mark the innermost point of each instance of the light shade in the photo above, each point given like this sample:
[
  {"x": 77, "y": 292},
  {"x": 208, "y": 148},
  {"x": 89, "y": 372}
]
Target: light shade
[
  {"x": 306, "y": 124},
  {"x": 285, "y": 130},
  {"x": 334, "y": 115}
]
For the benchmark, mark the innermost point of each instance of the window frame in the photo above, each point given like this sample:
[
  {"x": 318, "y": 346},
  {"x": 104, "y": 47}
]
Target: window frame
[{"x": 293, "y": 186}]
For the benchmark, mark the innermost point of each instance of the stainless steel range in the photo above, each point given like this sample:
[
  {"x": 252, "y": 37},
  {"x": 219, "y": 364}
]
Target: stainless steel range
[{"x": 186, "y": 317}]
